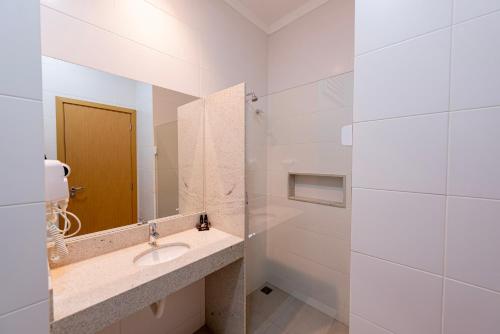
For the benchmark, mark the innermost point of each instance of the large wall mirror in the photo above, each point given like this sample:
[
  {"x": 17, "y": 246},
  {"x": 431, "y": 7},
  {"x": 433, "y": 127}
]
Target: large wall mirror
[{"x": 135, "y": 149}]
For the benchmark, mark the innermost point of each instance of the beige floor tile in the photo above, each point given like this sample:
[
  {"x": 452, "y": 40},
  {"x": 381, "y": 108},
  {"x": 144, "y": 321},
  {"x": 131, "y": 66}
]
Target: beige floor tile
[
  {"x": 266, "y": 304},
  {"x": 257, "y": 322},
  {"x": 308, "y": 320},
  {"x": 280, "y": 313}
]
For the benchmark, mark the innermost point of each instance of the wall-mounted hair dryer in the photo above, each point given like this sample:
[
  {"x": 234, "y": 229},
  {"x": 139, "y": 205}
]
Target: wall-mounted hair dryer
[{"x": 56, "y": 204}]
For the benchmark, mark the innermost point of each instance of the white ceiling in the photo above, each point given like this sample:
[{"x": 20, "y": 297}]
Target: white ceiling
[{"x": 272, "y": 15}]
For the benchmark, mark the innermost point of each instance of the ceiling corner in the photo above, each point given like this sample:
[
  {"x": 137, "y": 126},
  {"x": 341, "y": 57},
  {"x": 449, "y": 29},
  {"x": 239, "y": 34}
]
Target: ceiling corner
[
  {"x": 295, "y": 15},
  {"x": 248, "y": 14},
  {"x": 288, "y": 16}
]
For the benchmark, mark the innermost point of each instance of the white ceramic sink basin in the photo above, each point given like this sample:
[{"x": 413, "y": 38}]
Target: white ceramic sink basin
[{"x": 161, "y": 254}]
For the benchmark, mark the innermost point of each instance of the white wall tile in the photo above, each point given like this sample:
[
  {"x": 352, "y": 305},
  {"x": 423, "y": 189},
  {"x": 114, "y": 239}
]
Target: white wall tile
[
  {"x": 324, "y": 250},
  {"x": 470, "y": 310},
  {"x": 21, "y": 144},
  {"x": 398, "y": 298},
  {"x": 473, "y": 250},
  {"x": 137, "y": 62},
  {"x": 475, "y": 71},
  {"x": 309, "y": 280},
  {"x": 207, "y": 34},
  {"x": 23, "y": 257},
  {"x": 162, "y": 32},
  {"x": 96, "y": 12},
  {"x": 326, "y": 47},
  {"x": 394, "y": 81},
  {"x": 20, "y": 66},
  {"x": 474, "y": 166},
  {"x": 358, "y": 325},
  {"x": 384, "y": 22},
  {"x": 415, "y": 157},
  {"x": 29, "y": 320},
  {"x": 293, "y": 102},
  {"x": 407, "y": 154},
  {"x": 466, "y": 9},
  {"x": 406, "y": 228}
]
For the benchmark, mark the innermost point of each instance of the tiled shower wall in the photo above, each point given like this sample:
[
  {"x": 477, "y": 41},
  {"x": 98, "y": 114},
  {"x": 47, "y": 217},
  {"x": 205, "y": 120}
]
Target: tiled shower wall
[
  {"x": 426, "y": 168},
  {"x": 308, "y": 244},
  {"x": 310, "y": 98},
  {"x": 24, "y": 306}
]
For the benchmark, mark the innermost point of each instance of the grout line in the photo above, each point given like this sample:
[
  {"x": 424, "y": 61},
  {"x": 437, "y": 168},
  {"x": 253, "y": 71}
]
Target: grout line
[
  {"x": 445, "y": 278},
  {"x": 23, "y": 308},
  {"x": 398, "y": 264},
  {"x": 386, "y": 46},
  {"x": 428, "y": 32},
  {"x": 124, "y": 37},
  {"x": 21, "y": 98},
  {"x": 372, "y": 323},
  {"x": 473, "y": 197},
  {"x": 494, "y": 106},
  {"x": 307, "y": 83},
  {"x": 20, "y": 204},
  {"x": 398, "y": 117},
  {"x": 399, "y": 191},
  {"x": 443, "y": 303},
  {"x": 428, "y": 193},
  {"x": 476, "y": 108},
  {"x": 345, "y": 274},
  {"x": 445, "y": 247},
  {"x": 470, "y": 285},
  {"x": 475, "y": 17},
  {"x": 446, "y": 214},
  {"x": 174, "y": 16}
]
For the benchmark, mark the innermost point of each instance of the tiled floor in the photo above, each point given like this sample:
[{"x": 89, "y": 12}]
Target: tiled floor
[{"x": 280, "y": 313}]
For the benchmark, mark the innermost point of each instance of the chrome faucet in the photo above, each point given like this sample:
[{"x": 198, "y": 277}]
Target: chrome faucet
[{"x": 153, "y": 234}]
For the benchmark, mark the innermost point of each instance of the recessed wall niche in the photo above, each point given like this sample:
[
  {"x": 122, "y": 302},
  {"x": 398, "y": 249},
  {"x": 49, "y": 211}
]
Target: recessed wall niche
[{"x": 323, "y": 189}]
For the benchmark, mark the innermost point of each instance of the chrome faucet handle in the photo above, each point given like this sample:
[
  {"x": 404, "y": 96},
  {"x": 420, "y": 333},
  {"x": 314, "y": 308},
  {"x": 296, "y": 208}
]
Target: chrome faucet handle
[
  {"x": 153, "y": 233},
  {"x": 153, "y": 229}
]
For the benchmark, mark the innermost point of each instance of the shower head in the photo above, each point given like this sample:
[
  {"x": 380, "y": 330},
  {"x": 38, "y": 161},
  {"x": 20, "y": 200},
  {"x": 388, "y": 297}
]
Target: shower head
[{"x": 253, "y": 97}]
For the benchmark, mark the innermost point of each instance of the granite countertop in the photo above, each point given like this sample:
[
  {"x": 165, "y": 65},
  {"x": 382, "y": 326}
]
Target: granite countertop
[{"x": 94, "y": 293}]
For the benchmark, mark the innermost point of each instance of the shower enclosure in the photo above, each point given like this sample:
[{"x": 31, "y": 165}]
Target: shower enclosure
[{"x": 298, "y": 182}]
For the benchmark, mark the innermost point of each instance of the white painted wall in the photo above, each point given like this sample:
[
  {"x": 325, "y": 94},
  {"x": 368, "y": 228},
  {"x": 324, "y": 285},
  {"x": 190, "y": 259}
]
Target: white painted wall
[
  {"x": 24, "y": 304},
  {"x": 310, "y": 82},
  {"x": 64, "y": 79},
  {"x": 425, "y": 168}
]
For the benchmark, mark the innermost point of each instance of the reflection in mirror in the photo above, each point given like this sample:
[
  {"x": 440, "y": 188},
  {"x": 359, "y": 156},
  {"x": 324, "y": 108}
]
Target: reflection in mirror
[{"x": 130, "y": 147}]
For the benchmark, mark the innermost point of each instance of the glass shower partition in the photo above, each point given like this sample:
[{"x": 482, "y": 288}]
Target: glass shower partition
[{"x": 298, "y": 181}]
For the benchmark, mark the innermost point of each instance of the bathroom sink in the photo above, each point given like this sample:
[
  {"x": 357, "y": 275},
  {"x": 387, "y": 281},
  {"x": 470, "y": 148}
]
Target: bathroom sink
[{"x": 161, "y": 254}]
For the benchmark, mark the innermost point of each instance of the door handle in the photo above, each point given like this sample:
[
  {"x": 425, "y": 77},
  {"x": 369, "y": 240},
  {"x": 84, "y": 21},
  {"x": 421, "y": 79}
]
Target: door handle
[{"x": 74, "y": 190}]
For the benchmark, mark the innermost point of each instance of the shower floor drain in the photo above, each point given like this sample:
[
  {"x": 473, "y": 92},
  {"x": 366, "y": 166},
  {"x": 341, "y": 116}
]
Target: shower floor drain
[{"x": 266, "y": 290}]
